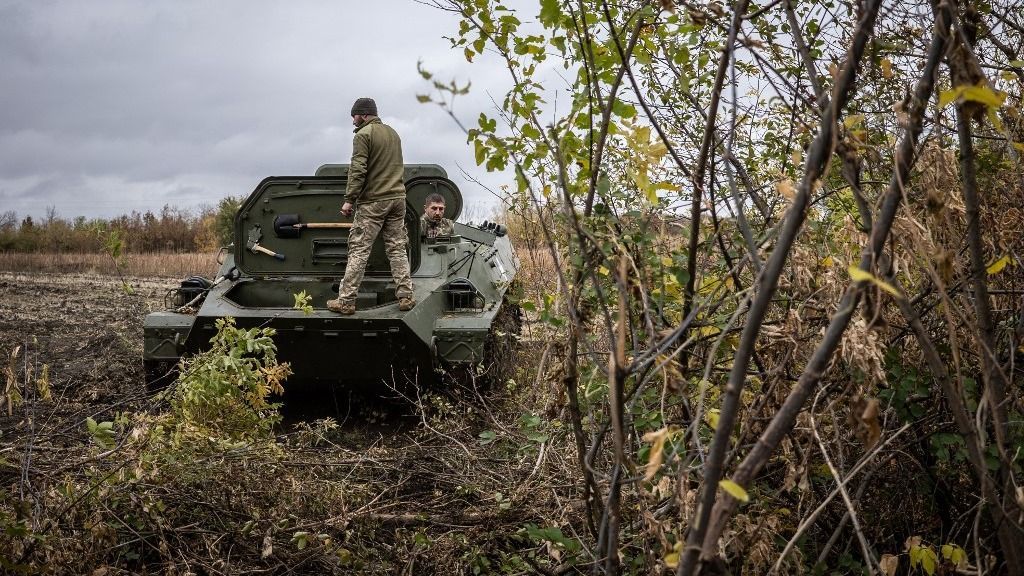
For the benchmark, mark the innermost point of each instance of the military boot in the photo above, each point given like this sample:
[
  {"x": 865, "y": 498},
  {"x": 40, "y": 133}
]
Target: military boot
[{"x": 344, "y": 308}]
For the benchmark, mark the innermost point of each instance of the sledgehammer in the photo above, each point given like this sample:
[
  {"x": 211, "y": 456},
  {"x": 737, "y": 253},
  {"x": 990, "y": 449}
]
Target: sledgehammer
[{"x": 253, "y": 243}]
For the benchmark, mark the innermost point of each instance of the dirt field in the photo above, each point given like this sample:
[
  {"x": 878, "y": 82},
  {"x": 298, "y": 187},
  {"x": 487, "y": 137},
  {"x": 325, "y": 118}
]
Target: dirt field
[
  {"x": 391, "y": 487},
  {"x": 85, "y": 329}
]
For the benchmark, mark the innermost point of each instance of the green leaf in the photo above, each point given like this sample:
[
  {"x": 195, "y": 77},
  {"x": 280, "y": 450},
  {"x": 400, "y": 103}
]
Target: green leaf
[
  {"x": 734, "y": 490},
  {"x": 549, "y": 12},
  {"x": 553, "y": 535},
  {"x": 538, "y": 437},
  {"x": 480, "y": 151},
  {"x": 486, "y": 437},
  {"x": 603, "y": 185},
  {"x": 487, "y": 124},
  {"x": 623, "y": 110},
  {"x": 529, "y": 132},
  {"x": 422, "y": 98}
]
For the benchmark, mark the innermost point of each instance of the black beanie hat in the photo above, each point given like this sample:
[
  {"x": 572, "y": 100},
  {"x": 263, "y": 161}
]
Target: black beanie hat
[{"x": 364, "y": 106}]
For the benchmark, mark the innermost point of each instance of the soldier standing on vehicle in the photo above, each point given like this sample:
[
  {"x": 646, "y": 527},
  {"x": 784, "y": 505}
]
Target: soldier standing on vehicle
[
  {"x": 376, "y": 191},
  {"x": 433, "y": 223}
]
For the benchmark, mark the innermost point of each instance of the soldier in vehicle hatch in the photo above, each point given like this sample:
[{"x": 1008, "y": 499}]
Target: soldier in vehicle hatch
[
  {"x": 433, "y": 223},
  {"x": 376, "y": 191}
]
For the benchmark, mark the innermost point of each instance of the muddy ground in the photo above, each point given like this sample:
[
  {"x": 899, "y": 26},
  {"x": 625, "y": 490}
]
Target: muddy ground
[
  {"x": 85, "y": 329},
  {"x": 394, "y": 487}
]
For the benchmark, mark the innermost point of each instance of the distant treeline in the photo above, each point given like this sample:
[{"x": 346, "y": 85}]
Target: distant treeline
[{"x": 170, "y": 230}]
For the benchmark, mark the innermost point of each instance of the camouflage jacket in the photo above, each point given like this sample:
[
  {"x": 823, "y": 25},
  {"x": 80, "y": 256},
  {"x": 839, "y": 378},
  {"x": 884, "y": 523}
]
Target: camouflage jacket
[
  {"x": 430, "y": 229},
  {"x": 377, "y": 170}
]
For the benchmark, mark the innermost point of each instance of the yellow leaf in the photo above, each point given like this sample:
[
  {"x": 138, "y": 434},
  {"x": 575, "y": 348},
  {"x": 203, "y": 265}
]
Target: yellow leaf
[
  {"x": 997, "y": 266},
  {"x": 708, "y": 330},
  {"x": 666, "y": 261},
  {"x": 889, "y": 564},
  {"x": 786, "y": 189},
  {"x": 652, "y": 194},
  {"x": 947, "y": 96},
  {"x": 672, "y": 558},
  {"x": 915, "y": 555},
  {"x": 853, "y": 120},
  {"x": 982, "y": 94},
  {"x": 993, "y": 117},
  {"x": 643, "y": 134},
  {"x": 657, "y": 150},
  {"x": 886, "y": 66},
  {"x": 859, "y": 275},
  {"x": 796, "y": 157},
  {"x": 828, "y": 262},
  {"x": 657, "y": 454},
  {"x": 712, "y": 418},
  {"x": 734, "y": 490},
  {"x": 928, "y": 561},
  {"x": 603, "y": 271},
  {"x": 979, "y": 93},
  {"x": 958, "y": 557}
]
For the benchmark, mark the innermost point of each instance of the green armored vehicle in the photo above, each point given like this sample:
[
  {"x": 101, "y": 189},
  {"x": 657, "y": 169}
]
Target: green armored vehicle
[{"x": 290, "y": 238}]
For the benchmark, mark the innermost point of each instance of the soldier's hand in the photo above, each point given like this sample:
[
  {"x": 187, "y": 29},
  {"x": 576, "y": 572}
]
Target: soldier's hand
[{"x": 346, "y": 209}]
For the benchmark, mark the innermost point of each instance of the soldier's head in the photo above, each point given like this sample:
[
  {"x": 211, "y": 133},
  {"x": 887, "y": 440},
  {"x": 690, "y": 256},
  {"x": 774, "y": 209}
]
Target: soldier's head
[
  {"x": 433, "y": 208},
  {"x": 362, "y": 110}
]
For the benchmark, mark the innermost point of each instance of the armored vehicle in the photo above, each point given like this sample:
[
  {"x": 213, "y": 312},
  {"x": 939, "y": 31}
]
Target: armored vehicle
[{"x": 290, "y": 238}]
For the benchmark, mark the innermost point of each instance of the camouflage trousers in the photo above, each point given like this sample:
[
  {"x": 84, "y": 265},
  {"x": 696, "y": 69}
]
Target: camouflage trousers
[{"x": 371, "y": 218}]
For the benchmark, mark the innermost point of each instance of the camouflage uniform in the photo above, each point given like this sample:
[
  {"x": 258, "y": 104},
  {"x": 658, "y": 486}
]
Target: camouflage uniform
[
  {"x": 431, "y": 229},
  {"x": 376, "y": 186}
]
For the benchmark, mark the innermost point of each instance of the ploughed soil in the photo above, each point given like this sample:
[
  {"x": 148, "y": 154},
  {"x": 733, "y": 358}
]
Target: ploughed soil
[
  {"x": 86, "y": 331},
  {"x": 425, "y": 484}
]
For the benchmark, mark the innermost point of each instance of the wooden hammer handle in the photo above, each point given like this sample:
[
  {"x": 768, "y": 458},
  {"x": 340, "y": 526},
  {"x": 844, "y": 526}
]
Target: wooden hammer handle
[
  {"x": 262, "y": 250},
  {"x": 325, "y": 225}
]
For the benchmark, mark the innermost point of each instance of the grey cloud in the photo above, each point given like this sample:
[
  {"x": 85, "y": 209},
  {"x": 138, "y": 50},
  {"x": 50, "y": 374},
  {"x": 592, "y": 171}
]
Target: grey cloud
[{"x": 111, "y": 106}]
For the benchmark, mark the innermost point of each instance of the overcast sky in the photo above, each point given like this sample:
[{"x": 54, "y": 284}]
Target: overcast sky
[{"x": 114, "y": 106}]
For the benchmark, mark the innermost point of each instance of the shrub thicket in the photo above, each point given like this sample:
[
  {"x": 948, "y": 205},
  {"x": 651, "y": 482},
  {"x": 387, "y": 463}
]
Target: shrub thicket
[{"x": 170, "y": 230}]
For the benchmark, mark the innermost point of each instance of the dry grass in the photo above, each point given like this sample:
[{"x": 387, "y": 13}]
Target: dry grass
[
  {"x": 537, "y": 272},
  {"x": 154, "y": 264}
]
